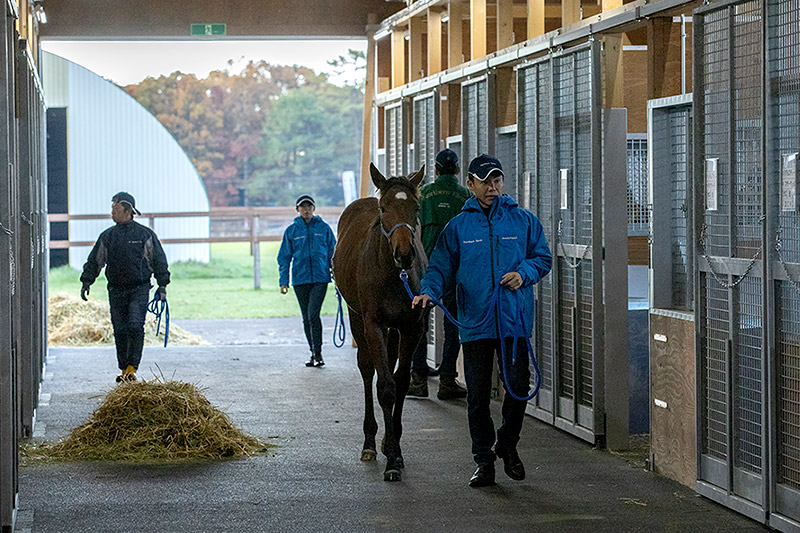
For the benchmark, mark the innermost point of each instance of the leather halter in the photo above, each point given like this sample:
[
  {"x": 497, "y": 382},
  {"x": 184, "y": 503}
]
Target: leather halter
[{"x": 388, "y": 234}]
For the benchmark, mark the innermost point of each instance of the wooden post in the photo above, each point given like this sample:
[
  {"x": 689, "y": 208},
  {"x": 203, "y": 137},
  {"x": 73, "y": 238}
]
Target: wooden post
[
  {"x": 256, "y": 247},
  {"x": 369, "y": 99},
  {"x": 614, "y": 71},
  {"x": 434, "y": 40},
  {"x": 455, "y": 33},
  {"x": 570, "y": 12},
  {"x": 505, "y": 23},
  {"x": 659, "y": 83},
  {"x": 608, "y": 5},
  {"x": 415, "y": 30},
  {"x": 535, "y": 18},
  {"x": 477, "y": 28},
  {"x": 398, "y": 57}
]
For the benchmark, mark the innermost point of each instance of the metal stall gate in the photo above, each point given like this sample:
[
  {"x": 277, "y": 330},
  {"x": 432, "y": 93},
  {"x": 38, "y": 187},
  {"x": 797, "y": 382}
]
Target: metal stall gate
[
  {"x": 8, "y": 390},
  {"x": 670, "y": 162},
  {"x": 395, "y": 124},
  {"x": 638, "y": 213},
  {"x": 506, "y": 153},
  {"x": 559, "y": 154},
  {"x": 477, "y": 118},
  {"x": 427, "y": 141},
  {"x": 747, "y": 140}
]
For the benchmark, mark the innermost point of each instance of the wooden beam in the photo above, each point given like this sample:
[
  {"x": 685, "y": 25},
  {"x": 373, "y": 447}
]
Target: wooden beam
[
  {"x": 416, "y": 27},
  {"x": 505, "y": 23},
  {"x": 398, "y": 57},
  {"x": 369, "y": 97},
  {"x": 659, "y": 83},
  {"x": 455, "y": 33},
  {"x": 536, "y": 16},
  {"x": 608, "y": 5},
  {"x": 570, "y": 12},
  {"x": 477, "y": 28},
  {"x": 614, "y": 77},
  {"x": 434, "y": 40}
]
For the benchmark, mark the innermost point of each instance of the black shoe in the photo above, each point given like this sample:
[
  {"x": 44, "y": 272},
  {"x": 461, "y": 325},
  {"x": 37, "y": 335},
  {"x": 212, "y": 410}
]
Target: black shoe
[
  {"x": 483, "y": 476},
  {"x": 512, "y": 464},
  {"x": 318, "y": 360},
  {"x": 311, "y": 361},
  {"x": 418, "y": 386},
  {"x": 450, "y": 390}
]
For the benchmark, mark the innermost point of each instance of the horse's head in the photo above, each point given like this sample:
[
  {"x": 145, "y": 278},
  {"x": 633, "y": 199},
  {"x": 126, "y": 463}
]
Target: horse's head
[{"x": 399, "y": 213}]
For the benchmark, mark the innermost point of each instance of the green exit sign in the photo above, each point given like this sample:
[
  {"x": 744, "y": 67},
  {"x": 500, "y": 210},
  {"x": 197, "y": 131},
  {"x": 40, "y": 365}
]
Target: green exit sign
[{"x": 209, "y": 29}]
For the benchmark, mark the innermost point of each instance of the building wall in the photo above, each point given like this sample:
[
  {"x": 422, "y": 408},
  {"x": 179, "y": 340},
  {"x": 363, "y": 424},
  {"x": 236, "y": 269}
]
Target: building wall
[{"x": 115, "y": 144}]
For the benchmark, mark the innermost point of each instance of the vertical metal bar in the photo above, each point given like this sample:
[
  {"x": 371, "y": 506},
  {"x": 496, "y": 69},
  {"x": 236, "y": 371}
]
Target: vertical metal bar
[
  {"x": 556, "y": 217},
  {"x": 576, "y": 367},
  {"x": 731, "y": 142},
  {"x": 256, "y": 247},
  {"x": 491, "y": 113},
  {"x": 733, "y": 312}
]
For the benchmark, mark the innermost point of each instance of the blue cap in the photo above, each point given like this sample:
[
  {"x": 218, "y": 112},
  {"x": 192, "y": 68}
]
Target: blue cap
[
  {"x": 446, "y": 161},
  {"x": 484, "y": 165}
]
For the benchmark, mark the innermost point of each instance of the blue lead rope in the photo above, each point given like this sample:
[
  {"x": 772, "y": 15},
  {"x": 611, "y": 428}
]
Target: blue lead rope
[
  {"x": 495, "y": 300},
  {"x": 157, "y": 310},
  {"x": 338, "y": 324}
]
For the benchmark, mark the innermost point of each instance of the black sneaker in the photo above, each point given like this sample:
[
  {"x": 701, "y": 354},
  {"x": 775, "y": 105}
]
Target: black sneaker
[
  {"x": 483, "y": 476},
  {"x": 418, "y": 386},
  {"x": 318, "y": 360},
  {"x": 450, "y": 390},
  {"x": 311, "y": 361},
  {"x": 512, "y": 464}
]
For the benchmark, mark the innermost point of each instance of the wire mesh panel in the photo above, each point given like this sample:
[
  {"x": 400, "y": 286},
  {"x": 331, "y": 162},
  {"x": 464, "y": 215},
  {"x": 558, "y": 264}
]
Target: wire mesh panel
[
  {"x": 477, "y": 119},
  {"x": 396, "y": 143},
  {"x": 558, "y": 152},
  {"x": 729, "y": 63},
  {"x": 506, "y": 153},
  {"x": 638, "y": 213},
  {"x": 783, "y": 71},
  {"x": 426, "y": 133}
]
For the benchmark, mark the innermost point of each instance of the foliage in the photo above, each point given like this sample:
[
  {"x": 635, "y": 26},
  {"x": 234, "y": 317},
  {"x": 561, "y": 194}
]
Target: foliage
[{"x": 229, "y": 124}]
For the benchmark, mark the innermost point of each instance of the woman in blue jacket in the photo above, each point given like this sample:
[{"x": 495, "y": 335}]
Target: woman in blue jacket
[
  {"x": 308, "y": 247},
  {"x": 491, "y": 241}
]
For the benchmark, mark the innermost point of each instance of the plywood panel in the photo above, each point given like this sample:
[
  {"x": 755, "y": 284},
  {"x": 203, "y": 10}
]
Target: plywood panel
[
  {"x": 636, "y": 89},
  {"x": 673, "y": 404},
  {"x": 506, "y": 88},
  {"x": 638, "y": 250}
]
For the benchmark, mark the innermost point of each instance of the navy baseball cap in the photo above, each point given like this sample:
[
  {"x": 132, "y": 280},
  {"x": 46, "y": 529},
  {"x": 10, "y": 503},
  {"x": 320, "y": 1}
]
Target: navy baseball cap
[
  {"x": 446, "y": 160},
  {"x": 484, "y": 165},
  {"x": 305, "y": 198},
  {"x": 125, "y": 198}
]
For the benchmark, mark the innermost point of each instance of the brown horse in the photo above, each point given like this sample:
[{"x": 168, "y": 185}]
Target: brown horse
[{"x": 377, "y": 239}]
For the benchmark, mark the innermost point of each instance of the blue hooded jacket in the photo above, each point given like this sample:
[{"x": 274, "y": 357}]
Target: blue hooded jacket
[
  {"x": 476, "y": 252},
  {"x": 309, "y": 249}
]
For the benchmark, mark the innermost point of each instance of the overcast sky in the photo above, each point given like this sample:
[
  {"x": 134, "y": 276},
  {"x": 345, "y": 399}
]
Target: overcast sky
[{"x": 126, "y": 62}]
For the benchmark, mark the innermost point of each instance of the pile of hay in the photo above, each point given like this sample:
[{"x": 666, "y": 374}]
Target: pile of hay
[
  {"x": 153, "y": 422},
  {"x": 73, "y": 322}
]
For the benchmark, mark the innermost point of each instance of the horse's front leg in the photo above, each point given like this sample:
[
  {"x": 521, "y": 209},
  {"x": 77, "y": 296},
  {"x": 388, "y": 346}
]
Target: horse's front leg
[
  {"x": 365, "y": 366},
  {"x": 402, "y": 376},
  {"x": 376, "y": 339}
]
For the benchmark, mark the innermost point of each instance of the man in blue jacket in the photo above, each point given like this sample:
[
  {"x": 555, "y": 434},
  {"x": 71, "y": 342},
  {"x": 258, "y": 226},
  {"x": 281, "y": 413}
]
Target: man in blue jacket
[
  {"x": 491, "y": 242},
  {"x": 308, "y": 247},
  {"x": 131, "y": 254}
]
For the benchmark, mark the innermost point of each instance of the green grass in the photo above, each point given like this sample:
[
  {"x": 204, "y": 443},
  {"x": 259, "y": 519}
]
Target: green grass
[{"x": 223, "y": 288}]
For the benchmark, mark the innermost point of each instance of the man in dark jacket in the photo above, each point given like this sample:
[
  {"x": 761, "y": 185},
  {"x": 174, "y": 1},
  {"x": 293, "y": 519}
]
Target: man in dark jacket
[
  {"x": 438, "y": 203},
  {"x": 307, "y": 247},
  {"x": 131, "y": 254},
  {"x": 494, "y": 252}
]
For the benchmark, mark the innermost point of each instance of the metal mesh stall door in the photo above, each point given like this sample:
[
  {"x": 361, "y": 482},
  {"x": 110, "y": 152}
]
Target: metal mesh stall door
[
  {"x": 730, "y": 313},
  {"x": 783, "y": 72},
  {"x": 426, "y": 133},
  {"x": 506, "y": 153},
  {"x": 396, "y": 143},
  {"x": 558, "y": 143},
  {"x": 477, "y": 118},
  {"x": 638, "y": 213}
]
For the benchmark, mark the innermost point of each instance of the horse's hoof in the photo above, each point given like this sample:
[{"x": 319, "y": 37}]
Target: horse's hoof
[
  {"x": 391, "y": 475},
  {"x": 368, "y": 455}
]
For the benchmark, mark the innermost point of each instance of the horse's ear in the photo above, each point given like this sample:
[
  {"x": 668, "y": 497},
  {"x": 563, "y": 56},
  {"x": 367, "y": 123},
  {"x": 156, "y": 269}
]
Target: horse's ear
[
  {"x": 416, "y": 178},
  {"x": 377, "y": 177}
]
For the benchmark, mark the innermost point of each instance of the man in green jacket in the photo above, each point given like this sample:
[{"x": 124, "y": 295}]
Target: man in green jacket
[{"x": 439, "y": 202}]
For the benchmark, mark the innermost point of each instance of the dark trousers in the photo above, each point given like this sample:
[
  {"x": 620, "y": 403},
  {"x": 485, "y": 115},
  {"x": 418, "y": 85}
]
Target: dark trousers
[
  {"x": 450, "y": 349},
  {"x": 310, "y": 297},
  {"x": 479, "y": 357},
  {"x": 128, "y": 311}
]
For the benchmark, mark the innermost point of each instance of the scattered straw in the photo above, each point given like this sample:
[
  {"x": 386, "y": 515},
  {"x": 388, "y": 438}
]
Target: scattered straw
[
  {"x": 152, "y": 421},
  {"x": 73, "y": 322}
]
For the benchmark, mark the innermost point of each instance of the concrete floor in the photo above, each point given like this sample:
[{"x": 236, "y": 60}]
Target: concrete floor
[{"x": 313, "y": 480}]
